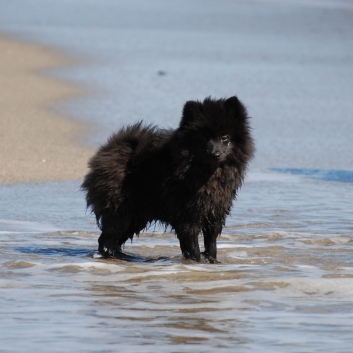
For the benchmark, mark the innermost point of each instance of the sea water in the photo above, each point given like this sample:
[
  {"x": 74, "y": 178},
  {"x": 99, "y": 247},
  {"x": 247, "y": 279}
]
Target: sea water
[{"x": 285, "y": 282}]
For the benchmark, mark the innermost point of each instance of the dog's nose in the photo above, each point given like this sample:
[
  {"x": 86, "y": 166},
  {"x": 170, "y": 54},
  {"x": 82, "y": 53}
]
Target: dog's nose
[{"x": 217, "y": 154}]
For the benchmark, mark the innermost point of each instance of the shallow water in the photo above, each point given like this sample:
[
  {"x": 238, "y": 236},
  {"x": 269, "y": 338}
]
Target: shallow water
[
  {"x": 289, "y": 61},
  {"x": 285, "y": 282},
  {"x": 286, "y": 279}
]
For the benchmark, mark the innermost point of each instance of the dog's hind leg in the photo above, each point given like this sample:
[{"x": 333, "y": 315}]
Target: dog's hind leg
[
  {"x": 109, "y": 243},
  {"x": 210, "y": 234},
  {"x": 116, "y": 230}
]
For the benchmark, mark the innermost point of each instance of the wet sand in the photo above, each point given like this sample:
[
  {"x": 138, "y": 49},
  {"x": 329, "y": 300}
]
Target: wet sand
[{"x": 35, "y": 142}]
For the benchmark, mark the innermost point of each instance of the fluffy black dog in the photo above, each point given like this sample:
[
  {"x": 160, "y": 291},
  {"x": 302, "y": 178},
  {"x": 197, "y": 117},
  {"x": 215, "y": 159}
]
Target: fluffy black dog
[{"x": 186, "y": 178}]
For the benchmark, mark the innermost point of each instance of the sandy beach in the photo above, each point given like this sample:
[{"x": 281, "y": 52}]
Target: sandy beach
[{"x": 35, "y": 142}]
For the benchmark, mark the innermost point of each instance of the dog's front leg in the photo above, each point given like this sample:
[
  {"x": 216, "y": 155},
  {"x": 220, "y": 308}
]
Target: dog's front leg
[
  {"x": 210, "y": 234},
  {"x": 189, "y": 242}
]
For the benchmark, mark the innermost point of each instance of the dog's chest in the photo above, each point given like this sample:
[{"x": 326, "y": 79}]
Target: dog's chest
[{"x": 218, "y": 192}]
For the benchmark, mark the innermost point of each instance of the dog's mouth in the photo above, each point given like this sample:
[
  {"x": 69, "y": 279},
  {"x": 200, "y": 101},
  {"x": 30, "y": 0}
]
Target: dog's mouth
[
  {"x": 217, "y": 151},
  {"x": 217, "y": 157}
]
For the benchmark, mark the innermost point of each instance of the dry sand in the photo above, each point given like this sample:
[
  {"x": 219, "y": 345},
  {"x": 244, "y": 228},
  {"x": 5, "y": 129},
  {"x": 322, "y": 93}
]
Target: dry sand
[{"x": 35, "y": 142}]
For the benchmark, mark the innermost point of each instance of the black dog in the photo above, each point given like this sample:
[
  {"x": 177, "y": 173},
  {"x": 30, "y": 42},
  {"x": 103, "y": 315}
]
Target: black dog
[{"x": 186, "y": 178}]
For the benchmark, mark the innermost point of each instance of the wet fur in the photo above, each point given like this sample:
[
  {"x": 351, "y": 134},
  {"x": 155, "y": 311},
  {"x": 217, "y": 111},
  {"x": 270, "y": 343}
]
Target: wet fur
[{"x": 186, "y": 178}]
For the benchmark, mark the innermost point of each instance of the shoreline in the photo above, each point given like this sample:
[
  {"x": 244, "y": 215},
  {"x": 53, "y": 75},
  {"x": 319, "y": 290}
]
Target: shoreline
[{"x": 36, "y": 143}]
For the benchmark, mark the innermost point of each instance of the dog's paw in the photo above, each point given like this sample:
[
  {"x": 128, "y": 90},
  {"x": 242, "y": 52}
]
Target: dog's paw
[
  {"x": 106, "y": 251},
  {"x": 194, "y": 257},
  {"x": 207, "y": 259}
]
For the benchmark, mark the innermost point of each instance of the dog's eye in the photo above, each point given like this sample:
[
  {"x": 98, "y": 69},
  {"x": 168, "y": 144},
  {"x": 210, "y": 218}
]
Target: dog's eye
[{"x": 225, "y": 138}]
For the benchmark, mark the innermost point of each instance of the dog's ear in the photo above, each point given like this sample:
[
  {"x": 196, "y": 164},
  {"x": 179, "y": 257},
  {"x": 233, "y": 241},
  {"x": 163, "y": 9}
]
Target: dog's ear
[
  {"x": 235, "y": 108},
  {"x": 191, "y": 111}
]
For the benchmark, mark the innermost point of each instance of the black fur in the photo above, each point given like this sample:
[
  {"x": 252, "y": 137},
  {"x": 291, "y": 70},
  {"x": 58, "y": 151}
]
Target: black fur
[{"x": 186, "y": 178}]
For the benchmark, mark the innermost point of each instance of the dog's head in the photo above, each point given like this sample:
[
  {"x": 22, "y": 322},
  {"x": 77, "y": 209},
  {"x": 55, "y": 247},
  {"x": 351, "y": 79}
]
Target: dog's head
[{"x": 217, "y": 131}]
